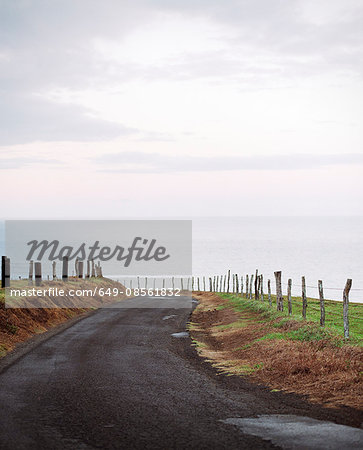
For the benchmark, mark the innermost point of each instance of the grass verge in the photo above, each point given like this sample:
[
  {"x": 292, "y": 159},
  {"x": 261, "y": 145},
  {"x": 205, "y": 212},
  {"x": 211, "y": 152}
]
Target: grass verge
[
  {"x": 247, "y": 337},
  {"x": 19, "y": 324}
]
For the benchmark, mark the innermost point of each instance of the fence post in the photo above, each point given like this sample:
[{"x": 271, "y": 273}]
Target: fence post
[
  {"x": 269, "y": 292},
  {"x": 80, "y": 269},
  {"x": 322, "y": 306},
  {"x": 88, "y": 268},
  {"x": 38, "y": 273},
  {"x": 304, "y": 301},
  {"x": 181, "y": 284},
  {"x": 289, "y": 284},
  {"x": 198, "y": 284},
  {"x": 237, "y": 286},
  {"x": 31, "y": 269},
  {"x": 210, "y": 284},
  {"x": 279, "y": 299},
  {"x": 145, "y": 282},
  {"x": 93, "y": 271},
  {"x": 54, "y": 270},
  {"x": 241, "y": 285},
  {"x": 228, "y": 277},
  {"x": 65, "y": 269},
  {"x": 348, "y": 285},
  {"x": 5, "y": 272},
  {"x": 251, "y": 284},
  {"x": 203, "y": 283},
  {"x": 247, "y": 285},
  {"x": 76, "y": 267},
  {"x": 261, "y": 287},
  {"x": 256, "y": 285}
]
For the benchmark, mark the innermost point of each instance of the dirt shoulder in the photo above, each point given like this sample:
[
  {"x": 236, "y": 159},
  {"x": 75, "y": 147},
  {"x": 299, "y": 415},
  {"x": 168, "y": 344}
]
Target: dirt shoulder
[
  {"x": 20, "y": 324},
  {"x": 283, "y": 354}
]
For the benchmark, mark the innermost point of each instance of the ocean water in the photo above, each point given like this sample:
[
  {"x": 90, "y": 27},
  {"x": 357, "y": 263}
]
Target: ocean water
[
  {"x": 329, "y": 249},
  {"x": 320, "y": 248}
]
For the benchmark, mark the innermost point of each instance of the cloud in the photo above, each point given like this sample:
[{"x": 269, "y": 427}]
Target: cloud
[
  {"x": 27, "y": 118},
  {"x": 142, "y": 162},
  {"x": 50, "y": 46},
  {"x": 20, "y": 162}
]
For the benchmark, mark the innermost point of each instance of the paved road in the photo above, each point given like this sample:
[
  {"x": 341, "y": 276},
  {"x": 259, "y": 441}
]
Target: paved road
[{"x": 119, "y": 379}]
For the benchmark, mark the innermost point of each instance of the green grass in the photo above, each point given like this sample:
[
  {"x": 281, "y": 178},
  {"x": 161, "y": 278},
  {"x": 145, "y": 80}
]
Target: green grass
[{"x": 333, "y": 317}]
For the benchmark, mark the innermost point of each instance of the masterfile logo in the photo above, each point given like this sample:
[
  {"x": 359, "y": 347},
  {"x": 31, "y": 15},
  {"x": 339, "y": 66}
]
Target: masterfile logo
[{"x": 45, "y": 253}]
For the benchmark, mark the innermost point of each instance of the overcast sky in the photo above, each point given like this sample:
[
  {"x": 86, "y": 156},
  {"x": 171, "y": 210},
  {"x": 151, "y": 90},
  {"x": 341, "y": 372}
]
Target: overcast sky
[{"x": 114, "y": 108}]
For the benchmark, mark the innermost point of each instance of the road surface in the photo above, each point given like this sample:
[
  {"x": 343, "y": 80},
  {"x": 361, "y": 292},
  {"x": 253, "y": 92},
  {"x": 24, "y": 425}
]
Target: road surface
[{"x": 120, "y": 379}]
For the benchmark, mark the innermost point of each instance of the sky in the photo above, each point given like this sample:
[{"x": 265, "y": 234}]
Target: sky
[{"x": 181, "y": 108}]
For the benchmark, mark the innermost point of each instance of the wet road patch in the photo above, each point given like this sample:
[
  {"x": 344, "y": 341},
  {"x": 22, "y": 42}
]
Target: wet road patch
[{"x": 299, "y": 432}]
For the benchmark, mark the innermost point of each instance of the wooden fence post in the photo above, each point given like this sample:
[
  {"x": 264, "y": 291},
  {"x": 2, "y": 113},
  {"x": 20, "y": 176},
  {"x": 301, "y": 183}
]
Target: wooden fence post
[
  {"x": 198, "y": 284},
  {"x": 247, "y": 285},
  {"x": 279, "y": 299},
  {"x": 228, "y": 277},
  {"x": 65, "y": 269},
  {"x": 304, "y": 301},
  {"x": 31, "y": 270},
  {"x": 269, "y": 292},
  {"x": 322, "y": 306},
  {"x": 261, "y": 287},
  {"x": 241, "y": 285},
  {"x": 54, "y": 270},
  {"x": 93, "y": 271},
  {"x": 181, "y": 284},
  {"x": 348, "y": 285},
  {"x": 256, "y": 286},
  {"x": 251, "y": 284},
  {"x": 204, "y": 283},
  {"x": 210, "y": 284},
  {"x": 80, "y": 269},
  {"x": 145, "y": 282},
  {"x": 237, "y": 287},
  {"x": 5, "y": 272},
  {"x": 289, "y": 284},
  {"x": 172, "y": 283},
  {"x": 38, "y": 273},
  {"x": 88, "y": 268},
  {"x": 192, "y": 284}
]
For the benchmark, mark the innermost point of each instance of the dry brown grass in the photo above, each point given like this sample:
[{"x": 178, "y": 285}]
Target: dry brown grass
[
  {"x": 19, "y": 324},
  {"x": 319, "y": 369}
]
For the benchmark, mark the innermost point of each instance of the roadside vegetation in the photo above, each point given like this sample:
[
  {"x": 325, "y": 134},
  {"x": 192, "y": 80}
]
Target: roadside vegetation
[
  {"x": 19, "y": 324},
  {"x": 247, "y": 337}
]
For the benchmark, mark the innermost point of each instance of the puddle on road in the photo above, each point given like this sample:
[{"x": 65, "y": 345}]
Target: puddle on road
[
  {"x": 300, "y": 433},
  {"x": 169, "y": 317},
  {"x": 182, "y": 334}
]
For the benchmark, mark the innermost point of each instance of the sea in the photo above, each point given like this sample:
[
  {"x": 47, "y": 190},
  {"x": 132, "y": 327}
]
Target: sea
[{"x": 320, "y": 248}]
